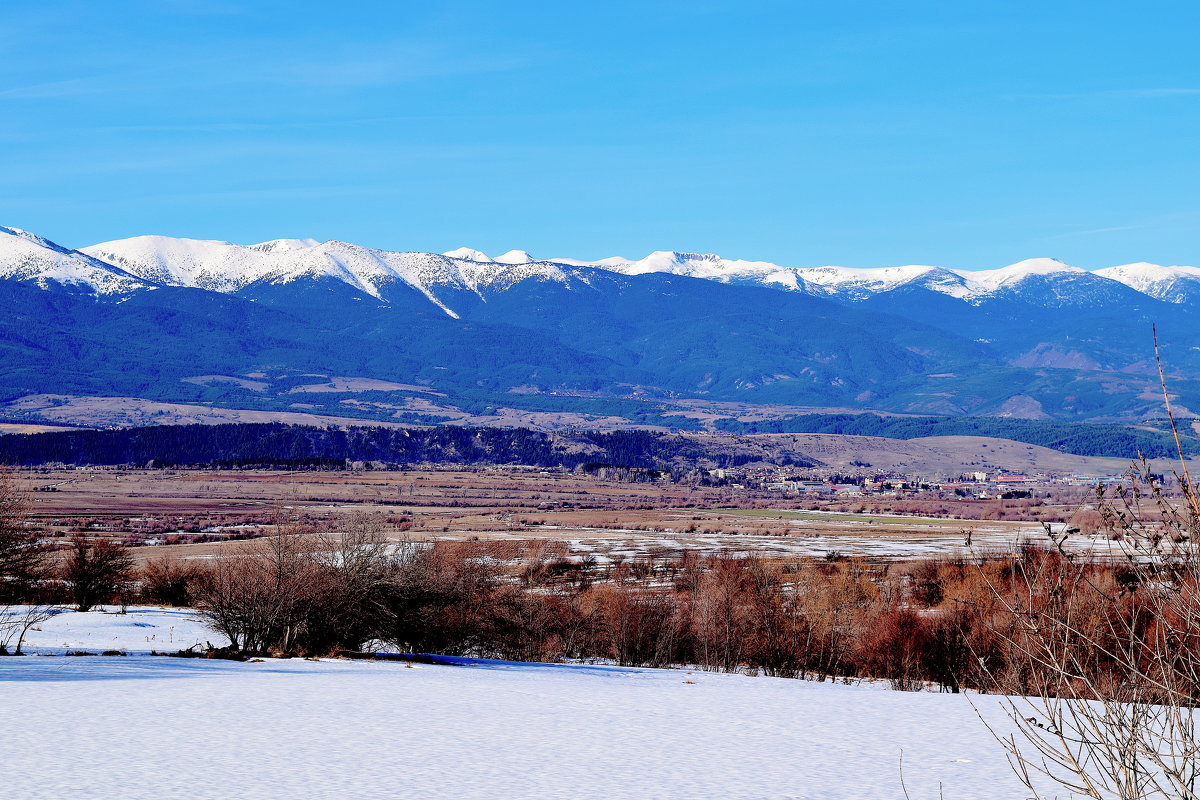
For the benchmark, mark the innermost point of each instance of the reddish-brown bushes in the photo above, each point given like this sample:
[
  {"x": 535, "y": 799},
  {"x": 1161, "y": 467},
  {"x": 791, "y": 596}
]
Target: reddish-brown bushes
[
  {"x": 944, "y": 622},
  {"x": 97, "y": 572},
  {"x": 171, "y": 582}
]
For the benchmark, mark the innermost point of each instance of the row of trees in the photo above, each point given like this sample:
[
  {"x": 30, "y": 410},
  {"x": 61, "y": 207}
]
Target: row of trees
[
  {"x": 240, "y": 444},
  {"x": 944, "y": 622}
]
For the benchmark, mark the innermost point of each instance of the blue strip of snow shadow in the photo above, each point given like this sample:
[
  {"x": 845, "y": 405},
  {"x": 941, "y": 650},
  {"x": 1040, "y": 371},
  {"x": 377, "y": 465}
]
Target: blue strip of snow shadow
[
  {"x": 34, "y": 668},
  {"x": 493, "y": 663}
]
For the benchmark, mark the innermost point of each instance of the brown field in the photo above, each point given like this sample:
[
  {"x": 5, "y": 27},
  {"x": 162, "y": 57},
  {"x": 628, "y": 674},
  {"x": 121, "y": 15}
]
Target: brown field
[
  {"x": 196, "y": 513},
  {"x": 31, "y": 427},
  {"x": 928, "y": 456},
  {"x": 128, "y": 411},
  {"x": 133, "y": 411}
]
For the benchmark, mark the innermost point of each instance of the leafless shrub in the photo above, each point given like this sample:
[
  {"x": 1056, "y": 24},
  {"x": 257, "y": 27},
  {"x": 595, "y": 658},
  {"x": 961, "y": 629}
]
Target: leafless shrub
[
  {"x": 23, "y": 559},
  {"x": 721, "y": 614},
  {"x": 640, "y": 628},
  {"x": 1111, "y": 657},
  {"x": 439, "y": 599},
  {"x": 256, "y": 596},
  {"x": 24, "y": 565},
  {"x": 17, "y": 620},
  {"x": 1108, "y": 660},
  {"x": 96, "y": 572},
  {"x": 351, "y": 584},
  {"x": 171, "y": 582}
]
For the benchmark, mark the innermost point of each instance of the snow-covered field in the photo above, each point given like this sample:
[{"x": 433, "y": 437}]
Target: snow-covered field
[
  {"x": 142, "y": 630},
  {"x": 151, "y": 727}
]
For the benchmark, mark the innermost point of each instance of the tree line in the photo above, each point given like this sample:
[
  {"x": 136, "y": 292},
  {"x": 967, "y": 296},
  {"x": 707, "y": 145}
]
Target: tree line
[
  {"x": 943, "y": 622},
  {"x": 277, "y": 444}
]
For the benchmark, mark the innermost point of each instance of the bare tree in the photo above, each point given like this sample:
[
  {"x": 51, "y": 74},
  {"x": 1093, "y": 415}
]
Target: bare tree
[
  {"x": 721, "y": 614},
  {"x": 23, "y": 565},
  {"x": 96, "y": 572},
  {"x": 303, "y": 592},
  {"x": 1108, "y": 654},
  {"x": 22, "y": 557},
  {"x": 441, "y": 599},
  {"x": 172, "y": 581},
  {"x": 1108, "y": 657},
  {"x": 17, "y": 620},
  {"x": 256, "y": 595},
  {"x": 356, "y": 571}
]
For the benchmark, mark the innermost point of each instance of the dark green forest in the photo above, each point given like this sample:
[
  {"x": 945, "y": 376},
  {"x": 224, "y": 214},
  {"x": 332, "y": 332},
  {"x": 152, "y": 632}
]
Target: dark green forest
[{"x": 276, "y": 444}]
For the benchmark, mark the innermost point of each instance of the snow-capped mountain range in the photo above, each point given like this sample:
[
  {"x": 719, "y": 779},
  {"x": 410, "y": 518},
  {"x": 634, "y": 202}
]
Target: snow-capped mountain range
[
  {"x": 1172, "y": 284},
  {"x": 143, "y": 261},
  {"x": 149, "y": 314},
  {"x": 227, "y": 268}
]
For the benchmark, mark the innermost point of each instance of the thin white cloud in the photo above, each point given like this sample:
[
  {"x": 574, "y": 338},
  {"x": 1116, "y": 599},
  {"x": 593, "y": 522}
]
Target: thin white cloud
[
  {"x": 1156, "y": 92},
  {"x": 394, "y": 64},
  {"x": 72, "y": 87},
  {"x": 1132, "y": 93},
  {"x": 1158, "y": 220},
  {"x": 202, "y": 7},
  {"x": 249, "y": 126}
]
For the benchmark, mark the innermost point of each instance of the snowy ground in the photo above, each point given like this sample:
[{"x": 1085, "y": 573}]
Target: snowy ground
[
  {"x": 152, "y": 727},
  {"x": 141, "y": 630},
  {"x": 814, "y": 535}
]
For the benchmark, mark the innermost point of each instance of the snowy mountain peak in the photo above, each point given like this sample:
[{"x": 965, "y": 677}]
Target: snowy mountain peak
[
  {"x": 515, "y": 257},
  {"x": 380, "y": 274},
  {"x": 201, "y": 263},
  {"x": 883, "y": 276},
  {"x": 612, "y": 262},
  {"x": 706, "y": 265},
  {"x": 33, "y": 238},
  {"x": 1044, "y": 266},
  {"x": 1175, "y": 284},
  {"x": 1144, "y": 274},
  {"x": 860, "y": 283},
  {"x": 686, "y": 258},
  {"x": 142, "y": 261},
  {"x": 279, "y": 245},
  {"x": 468, "y": 254},
  {"x": 30, "y": 258},
  {"x": 990, "y": 280}
]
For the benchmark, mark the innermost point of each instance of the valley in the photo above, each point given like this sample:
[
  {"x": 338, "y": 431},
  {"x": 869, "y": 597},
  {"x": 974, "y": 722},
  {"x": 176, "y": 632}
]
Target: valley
[
  {"x": 529, "y": 513},
  {"x": 604, "y": 401}
]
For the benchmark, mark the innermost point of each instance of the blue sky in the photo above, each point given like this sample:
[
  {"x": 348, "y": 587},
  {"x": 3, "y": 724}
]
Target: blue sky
[{"x": 863, "y": 134}]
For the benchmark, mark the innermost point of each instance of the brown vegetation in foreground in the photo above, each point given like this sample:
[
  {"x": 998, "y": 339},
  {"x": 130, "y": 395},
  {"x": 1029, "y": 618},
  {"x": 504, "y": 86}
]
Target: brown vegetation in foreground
[
  {"x": 1043, "y": 625},
  {"x": 949, "y": 622},
  {"x": 945, "y": 622}
]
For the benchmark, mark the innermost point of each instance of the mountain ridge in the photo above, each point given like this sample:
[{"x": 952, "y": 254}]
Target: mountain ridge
[
  {"x": 852, "y": 283},
  {"x": 147, "y": 316}
]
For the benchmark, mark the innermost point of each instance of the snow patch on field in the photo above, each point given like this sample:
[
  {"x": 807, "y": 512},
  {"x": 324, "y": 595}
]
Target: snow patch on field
[{"x": 141, "y": 630}]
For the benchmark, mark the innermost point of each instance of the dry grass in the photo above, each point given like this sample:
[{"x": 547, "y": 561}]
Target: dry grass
[{"x": 195, "y": 510}]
